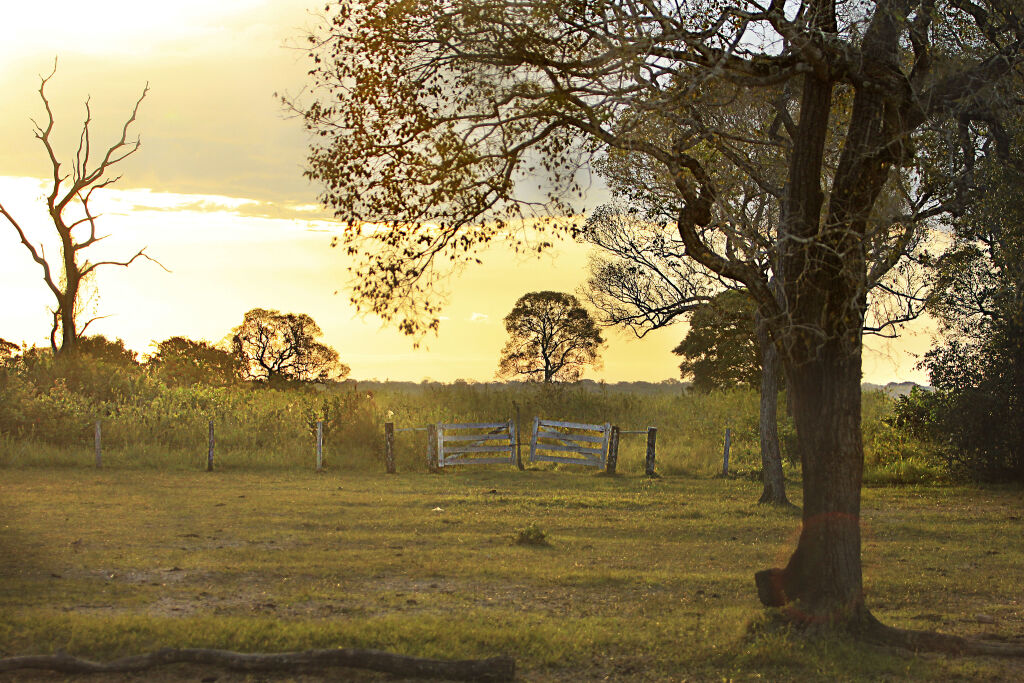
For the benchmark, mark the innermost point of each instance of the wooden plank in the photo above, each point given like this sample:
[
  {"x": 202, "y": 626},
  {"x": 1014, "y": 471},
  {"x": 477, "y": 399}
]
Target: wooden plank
[
  {"x": 652, "y": 443},
  {"x": 438, "y": 435},
  {"x": 479, "y": 461},
  {"x": 570, "y": 449},
  {"x": 432, "y": 452},
  {"x": 389, "y": 447},
  {"x": 477, "y": 437},
  {"x": 588, "y": 461},
  {"x": 607, "y": 437},
  {"x": 475, "y": 425},
  {"x": 319, "y": 445},
  {"x": 513, "y": 429},
  {"x": 612, "y": 461},
  {"x": 533, "y": 438},
  {"x": 470, "y": 448},
  {"x": 568, "y": 436},
  {"x": 725, "y": 453},
  {"x": 572, "y": 425}
]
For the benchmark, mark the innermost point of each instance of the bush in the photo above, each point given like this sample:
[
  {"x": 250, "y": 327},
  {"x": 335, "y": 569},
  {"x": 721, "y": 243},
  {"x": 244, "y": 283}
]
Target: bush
[{"x": 975, "y": 431}]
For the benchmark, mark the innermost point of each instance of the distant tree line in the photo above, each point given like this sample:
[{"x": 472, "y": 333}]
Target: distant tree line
[{"x": 269, "y": 347}]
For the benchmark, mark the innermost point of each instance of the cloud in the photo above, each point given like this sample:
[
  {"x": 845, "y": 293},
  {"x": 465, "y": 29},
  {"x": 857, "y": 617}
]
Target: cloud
[
  {"x": 478, "y": 317},
  {"x": 210, "y": 124}
]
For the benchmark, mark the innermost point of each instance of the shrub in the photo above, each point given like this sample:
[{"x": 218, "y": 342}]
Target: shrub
[{"x": 532, "y": 535}]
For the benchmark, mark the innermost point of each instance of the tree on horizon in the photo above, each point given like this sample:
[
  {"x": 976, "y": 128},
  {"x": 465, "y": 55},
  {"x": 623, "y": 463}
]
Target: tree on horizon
[{"x": 552, "y": 338}]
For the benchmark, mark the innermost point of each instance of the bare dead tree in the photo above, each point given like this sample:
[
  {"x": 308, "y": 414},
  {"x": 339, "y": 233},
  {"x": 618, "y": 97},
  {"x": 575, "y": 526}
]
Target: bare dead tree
[
  {"x": 73, "y": 220},
  {"x": 432, "y": 115}
]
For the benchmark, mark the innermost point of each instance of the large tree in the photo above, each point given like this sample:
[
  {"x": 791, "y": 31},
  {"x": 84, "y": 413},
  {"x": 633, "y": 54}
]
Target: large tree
[
  {"x": 551, "y": 338},
  {"x": 73, "y": 220},
  {"x": 184, "y": 362},
  {"x": 270, "y": 346},
  {"x": 640, "y": 278},
  {"x": 978, "y": 370},
  {"x": 431, "y": 114}
]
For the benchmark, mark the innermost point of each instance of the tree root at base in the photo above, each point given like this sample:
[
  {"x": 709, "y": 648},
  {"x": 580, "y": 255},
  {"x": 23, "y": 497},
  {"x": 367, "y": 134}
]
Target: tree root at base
[
  {"x": 943, "y": 643},
  {"x": 492, "y": 669},
  {"x": 862, "y": 624}
]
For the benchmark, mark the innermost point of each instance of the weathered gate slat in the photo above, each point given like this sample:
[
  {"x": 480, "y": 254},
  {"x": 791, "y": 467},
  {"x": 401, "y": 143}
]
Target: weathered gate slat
[
  {"x": 573, "y": 425},
  {"x": 594, "y": 461},
  {"x": 569, "y": 448},
  {"x": 476, "y": 437},
  {"x": 475, "y": 461},
  {"x": 474, "y": 425},
  {"x": 470, "y": 448},
  {"x": 566, "y": 436}
]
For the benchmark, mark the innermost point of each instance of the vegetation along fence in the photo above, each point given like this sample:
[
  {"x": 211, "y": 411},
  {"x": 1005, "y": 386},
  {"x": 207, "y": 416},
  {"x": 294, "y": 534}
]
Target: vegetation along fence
[{"x": 482, "y": 443}]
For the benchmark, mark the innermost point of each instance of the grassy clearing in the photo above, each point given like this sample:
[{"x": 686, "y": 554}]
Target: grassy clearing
[{"x": 640, "y": 579}]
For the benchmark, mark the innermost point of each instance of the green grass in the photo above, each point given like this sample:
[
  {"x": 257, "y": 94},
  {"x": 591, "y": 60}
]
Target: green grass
[{"x": 640, "y": 579}]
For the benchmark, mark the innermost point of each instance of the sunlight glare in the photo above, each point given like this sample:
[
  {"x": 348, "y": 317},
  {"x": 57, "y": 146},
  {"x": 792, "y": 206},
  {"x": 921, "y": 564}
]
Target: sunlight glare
[{"x": 111, "y": 26}]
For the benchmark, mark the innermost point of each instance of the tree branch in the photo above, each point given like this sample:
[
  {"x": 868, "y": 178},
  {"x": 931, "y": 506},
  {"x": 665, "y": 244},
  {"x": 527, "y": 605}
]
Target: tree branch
[{"x": 493, "y": 669}]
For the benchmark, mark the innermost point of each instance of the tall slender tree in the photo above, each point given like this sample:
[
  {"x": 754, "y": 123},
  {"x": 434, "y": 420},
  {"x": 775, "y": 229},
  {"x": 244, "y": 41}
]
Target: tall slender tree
[
  {"x": 551, "y": 338},
  {"x": 73, "y": 220},
  {"x": 432, "y": 114}
]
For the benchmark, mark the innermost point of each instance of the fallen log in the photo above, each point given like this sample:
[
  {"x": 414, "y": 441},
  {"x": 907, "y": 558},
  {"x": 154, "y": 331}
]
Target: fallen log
[{"x": 492, "y": 669}]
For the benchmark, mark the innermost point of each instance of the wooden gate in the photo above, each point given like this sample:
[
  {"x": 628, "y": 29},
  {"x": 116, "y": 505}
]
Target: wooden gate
[
  {"x": 478, "y": 443},
  {"x": 574, "y": 443}
]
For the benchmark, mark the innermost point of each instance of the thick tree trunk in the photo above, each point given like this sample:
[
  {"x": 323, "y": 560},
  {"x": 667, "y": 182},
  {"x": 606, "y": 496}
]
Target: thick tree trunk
[
  {"x": 822, "y": 583},
  {"x": 774, "y": 491}
]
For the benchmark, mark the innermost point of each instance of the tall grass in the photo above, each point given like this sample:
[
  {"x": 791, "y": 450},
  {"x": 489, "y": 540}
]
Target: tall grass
[{"x": 47, "y": 419}]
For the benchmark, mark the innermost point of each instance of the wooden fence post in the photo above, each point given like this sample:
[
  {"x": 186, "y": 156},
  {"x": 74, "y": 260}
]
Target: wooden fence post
[
  {"x": 99, "y": 447},
  {"x": 433, "y": 448},
  {"x": 319, "y": 445},
  {"x": 725, "y": 453},
  {"x": 652, "y": 440},
  {"x": 613, "y": 451},
  {"x": 389, "y": 447},
  {"x": 533, "y": 437},
  {"x": 209, "y": 453},
  {"x": 519, "y": 453}
]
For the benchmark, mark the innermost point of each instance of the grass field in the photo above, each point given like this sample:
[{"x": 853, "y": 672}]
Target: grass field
[{"x": 641, "y": 579}]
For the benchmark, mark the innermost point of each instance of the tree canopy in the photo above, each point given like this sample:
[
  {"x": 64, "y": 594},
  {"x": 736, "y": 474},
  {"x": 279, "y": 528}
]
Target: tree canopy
[
  {"x": 859, "y": 121},
  {"x": 271, "y": 346},
  {"x": 720, "y": 349},
  {"x": 552, "y": 338},
  {"x": 183, "y": 362},
  {"x": 977, "y": 371}
]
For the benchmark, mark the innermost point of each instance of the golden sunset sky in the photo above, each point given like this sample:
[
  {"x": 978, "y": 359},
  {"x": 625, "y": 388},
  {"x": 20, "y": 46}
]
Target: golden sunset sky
[{"x": 217, "y": 194}]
